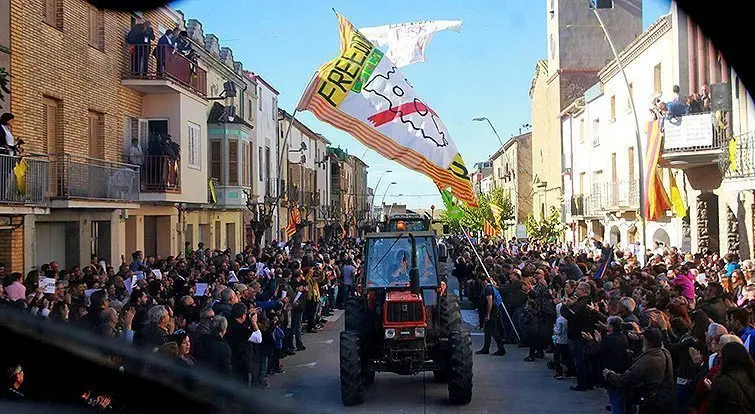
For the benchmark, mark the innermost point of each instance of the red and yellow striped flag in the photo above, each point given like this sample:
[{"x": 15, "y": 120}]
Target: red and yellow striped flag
[
  {"x": 489, "y": 229},
  {"x": 656, "y": 200},
  {"x": 293, "y": 219}
]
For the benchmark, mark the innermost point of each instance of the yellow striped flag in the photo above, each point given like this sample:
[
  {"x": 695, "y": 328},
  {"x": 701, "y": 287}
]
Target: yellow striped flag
[
  {"x": 677, "y": 203},
  {"x": 363, "y": 93},
  {"x": 497, "y": 211},
  {"x": 293, "y": 220},
  {"x": 656, "y": 201}
]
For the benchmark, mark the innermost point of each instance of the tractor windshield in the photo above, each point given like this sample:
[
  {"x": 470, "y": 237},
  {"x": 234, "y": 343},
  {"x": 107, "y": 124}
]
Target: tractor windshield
[{"x": 393, "y": 270}]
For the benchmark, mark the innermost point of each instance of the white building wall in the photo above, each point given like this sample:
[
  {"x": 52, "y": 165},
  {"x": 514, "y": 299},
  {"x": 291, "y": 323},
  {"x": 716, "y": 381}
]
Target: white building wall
[{"x": 266, "y": 136}]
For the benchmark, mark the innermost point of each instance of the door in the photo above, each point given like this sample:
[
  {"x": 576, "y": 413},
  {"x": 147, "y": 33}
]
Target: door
[
  {"x": 150, "y": 236},
  {"x": 189, "y": 235},
  {"x": 101, "y": 239},
  {"x": 614, "y": 189},
  {"x": 217, "y": 235},
  {"x": 204, "y": 235},
  {"x": 230, "y": 236}
]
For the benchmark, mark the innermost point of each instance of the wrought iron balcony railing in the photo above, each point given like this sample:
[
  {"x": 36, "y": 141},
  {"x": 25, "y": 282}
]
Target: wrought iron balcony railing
[
  {"x": 76, "y": 177},
  {"x": 33, "y": 190}
]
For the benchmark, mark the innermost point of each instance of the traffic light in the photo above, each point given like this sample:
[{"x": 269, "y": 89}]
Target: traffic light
[{"x": 602, "y": 4}]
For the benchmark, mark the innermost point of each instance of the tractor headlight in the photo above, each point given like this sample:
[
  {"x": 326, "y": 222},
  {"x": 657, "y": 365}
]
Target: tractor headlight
[
  {"x": 390, "y": 333},
  {"x": 419, "y": 332}
]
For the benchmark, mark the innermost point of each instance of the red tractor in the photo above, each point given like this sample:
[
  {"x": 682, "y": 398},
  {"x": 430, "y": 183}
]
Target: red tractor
[{"x": 402, "y": 320}]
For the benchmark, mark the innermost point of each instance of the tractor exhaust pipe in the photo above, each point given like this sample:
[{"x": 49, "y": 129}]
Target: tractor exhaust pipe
[{"x": 414, "y": 270}]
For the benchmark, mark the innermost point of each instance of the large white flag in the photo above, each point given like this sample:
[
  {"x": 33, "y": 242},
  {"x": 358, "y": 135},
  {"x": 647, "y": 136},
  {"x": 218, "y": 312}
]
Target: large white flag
[{"x": 407, "y": 41}]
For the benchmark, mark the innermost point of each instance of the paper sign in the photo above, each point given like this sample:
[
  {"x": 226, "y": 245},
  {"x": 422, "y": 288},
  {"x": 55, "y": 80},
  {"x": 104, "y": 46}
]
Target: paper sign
[
  {"x": 283, "y": 294},
  {"x": 232, "y": 278},
  {"x": 89, "y": 292},
  {"x": 158, "y": 274},
  {"x": 201, "y": 289},
  {"x": 103, "y": 266},
  {"x": 139, "y": 275},
  {"x": 130, "y": 284},
  {"x": 296, "y": 298},
  {"x": 47, "y": 284}
]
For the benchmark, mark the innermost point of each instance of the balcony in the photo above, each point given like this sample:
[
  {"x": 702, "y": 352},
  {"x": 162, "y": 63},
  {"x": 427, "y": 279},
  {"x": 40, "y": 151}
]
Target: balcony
[
  {"x": 738, "y": 157},
  {"x": 82, "y": 178},
  {"x": 33, "y": 192},
  {"x": 161, "y": 69},
  {"x": 692, "y": 141},
  {"x": 618, "y": 196},
  {"x": 161, "y": 174}
]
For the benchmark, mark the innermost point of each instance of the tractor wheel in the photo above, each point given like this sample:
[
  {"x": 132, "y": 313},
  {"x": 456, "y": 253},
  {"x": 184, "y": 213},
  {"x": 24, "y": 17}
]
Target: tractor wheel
[
  {"x": 355, "y": 314},
  {"x": 352, "y": 386},
  {"x": 440, "y": 376},
  {"x": 368, "y": 376},
  {"x": 460, "y": 368},
  {"x": 449, "y": 311}
]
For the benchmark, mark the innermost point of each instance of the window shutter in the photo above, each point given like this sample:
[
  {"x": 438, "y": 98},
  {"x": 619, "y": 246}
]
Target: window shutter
[
  {"x": 233, "y": 162},
  {"x": 93, "y": 26},
  {"x": 51, "y": 15},
  {"x": 142, "y": 130},
  {"x": 215, "y": 170}
]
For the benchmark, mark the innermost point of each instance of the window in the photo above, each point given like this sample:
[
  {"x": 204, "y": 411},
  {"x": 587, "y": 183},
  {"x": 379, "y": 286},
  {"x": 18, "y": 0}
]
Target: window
[
  {"x": 96, "y": 135},
  {"x": 613, "y": 108},
  {"x": 552, "y": 47},
  {"x": 249, "y": 107},
  {"x": 216, "y": 170},
  {"x": 595, "y": 132},
  {"x": 259, "y": 98},
  {"x": 233, "y": 162},
  {"x": 96, "y": 28},
  {"x": 657, "y": 83},
  {"x": 266, "y": 165},
  {"x": 629, "y": 97},
  {"x": 260, "y": 165},
  {"x": 273, "y": 111},
  {"x": 52, "y": 112},
  {"x": 581, "y": 131},
  {"x": 53, "y": 13},
  {"x": 582, "y": 183},
  {"x": 630, "y": 154},
  {"x": 195, "y": 146}
]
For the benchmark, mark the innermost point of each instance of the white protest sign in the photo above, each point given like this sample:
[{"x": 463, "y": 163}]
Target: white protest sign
[
  {"x": 296, "y": 298},
  {"x": 103, "y": 266},
  {"x": 89, "y": 292},
  {"x": 201, "y": 289},
  {"x": 232, "y": 277},
  {"x": 130, "y": 284},
  {"x": 158, "y": 274},
  {"x": 284, "y": 294},
  {"x": 47, "y": 284},
  {"x": 139, "y": 275}
]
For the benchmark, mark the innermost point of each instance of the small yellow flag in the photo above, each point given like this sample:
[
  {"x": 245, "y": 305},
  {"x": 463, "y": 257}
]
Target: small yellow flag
[
  {"x": 733, "y": 155},
  {"x": 677, "y": 203},
  {"x": 20, "y": 172}
]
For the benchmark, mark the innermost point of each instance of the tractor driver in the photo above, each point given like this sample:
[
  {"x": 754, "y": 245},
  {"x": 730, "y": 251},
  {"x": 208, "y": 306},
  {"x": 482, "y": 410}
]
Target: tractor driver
[{"x": 400, "y": 274}]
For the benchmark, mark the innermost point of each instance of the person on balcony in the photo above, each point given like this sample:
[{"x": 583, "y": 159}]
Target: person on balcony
[
  {"x": 135, "y": 154},
  {"x": 165, "y": 46},
  {"x": 705, "y": 98},
  {"x": 140, "y": 37},
  {"x": 7, "y": 142}
]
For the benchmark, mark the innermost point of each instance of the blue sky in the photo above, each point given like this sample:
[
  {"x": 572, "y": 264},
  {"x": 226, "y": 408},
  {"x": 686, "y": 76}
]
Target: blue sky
[{"x": 485, "y": 70}]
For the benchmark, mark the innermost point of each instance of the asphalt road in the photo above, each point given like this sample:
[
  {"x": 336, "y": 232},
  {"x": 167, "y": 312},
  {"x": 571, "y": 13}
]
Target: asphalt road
[{"x": 501, "y": 384}]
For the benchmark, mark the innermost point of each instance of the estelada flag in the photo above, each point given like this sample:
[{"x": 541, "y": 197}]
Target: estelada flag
[
  {"x": 657, "y": 200},
  {"x": 293, "y": 220},
  {"x": 363, "y": 93}
]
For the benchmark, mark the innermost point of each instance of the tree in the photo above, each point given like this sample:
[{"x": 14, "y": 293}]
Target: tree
[
  {"x": 548, "y": 229},
  {"x": 473, "y": 218}
]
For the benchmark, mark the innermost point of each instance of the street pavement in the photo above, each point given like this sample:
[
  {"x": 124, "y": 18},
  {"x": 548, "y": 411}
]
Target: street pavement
[{"x": 505, "y": 384}]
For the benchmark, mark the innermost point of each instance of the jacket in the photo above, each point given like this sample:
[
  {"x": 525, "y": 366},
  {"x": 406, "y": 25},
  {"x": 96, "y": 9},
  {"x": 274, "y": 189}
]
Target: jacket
[
  {"x": 687, "y": 283},
  {"x": 732, "y": 393},
  {"x": 580, "y": 317},
  {"x": 651, "y": 372},
  {"x": 237, "y": 339},
  {"x": 214, "y": 353},
  {"x": 714, "y": 308},
  {"x": 559, "y": 331},
  {"x": 612, "y": 351},
  {"x": 222, "y": 308}
]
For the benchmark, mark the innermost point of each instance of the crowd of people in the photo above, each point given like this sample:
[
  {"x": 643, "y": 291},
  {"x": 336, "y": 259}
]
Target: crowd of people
[
  {"x": 694, "y": 103},
  {"x": 674, "y": 335},
  {"x": 238, "y": 315}
]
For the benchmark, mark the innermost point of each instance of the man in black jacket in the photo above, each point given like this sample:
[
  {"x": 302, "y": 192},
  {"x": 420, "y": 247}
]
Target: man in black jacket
[
  {"x": 241, "y": 338},
  {"x": 713, "y": 303},
  {"x": 581, "y": 318},
  {"x": 612, "y": 352},
  {"x": 213, "y": 352}
]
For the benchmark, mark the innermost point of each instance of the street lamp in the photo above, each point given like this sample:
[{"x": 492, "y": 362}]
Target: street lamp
[
  {"x": 382, "y": 202},
  {"x": 483, "y": 118},
  {"x": 608, "y": 4},
  {"x": 381, "y": 178}
]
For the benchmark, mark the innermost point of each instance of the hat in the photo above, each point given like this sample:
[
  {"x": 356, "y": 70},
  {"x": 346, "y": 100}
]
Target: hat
[{"x": 653, "y": 336}]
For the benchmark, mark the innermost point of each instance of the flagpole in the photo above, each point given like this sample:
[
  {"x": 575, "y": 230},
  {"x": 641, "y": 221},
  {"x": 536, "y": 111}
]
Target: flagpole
[{"x": 490, "y": 280}]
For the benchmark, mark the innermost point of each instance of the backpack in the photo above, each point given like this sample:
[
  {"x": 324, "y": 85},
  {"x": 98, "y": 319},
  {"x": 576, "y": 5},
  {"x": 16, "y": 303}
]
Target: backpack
[{"x": 497, "y": 299}]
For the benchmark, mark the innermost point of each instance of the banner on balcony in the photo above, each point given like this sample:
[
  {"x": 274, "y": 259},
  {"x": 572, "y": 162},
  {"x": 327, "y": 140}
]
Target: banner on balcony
[
  {"x": 407, "y": 41},
  {"x": 19, "y": 171},
  {"x": 363, "y": 93},
  {"x": 688, "y": 131},
  {"x": 656, "y": 199}
]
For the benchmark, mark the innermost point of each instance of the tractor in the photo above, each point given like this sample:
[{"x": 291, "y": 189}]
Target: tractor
[{"x": 402, "y": 319}]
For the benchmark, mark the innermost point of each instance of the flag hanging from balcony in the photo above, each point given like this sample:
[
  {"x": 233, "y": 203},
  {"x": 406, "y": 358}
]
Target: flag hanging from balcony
[
  {"x": 363, "y": 93},
  {"x": 656, "y": 199},
  {"x": 20, "y": 172},
  {"x": 677, "y": 202},
  {"x": 489, "y": 229},
  {"x": 293, "y": 220}
]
